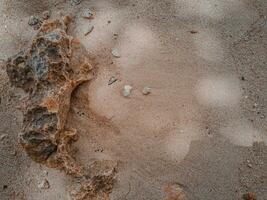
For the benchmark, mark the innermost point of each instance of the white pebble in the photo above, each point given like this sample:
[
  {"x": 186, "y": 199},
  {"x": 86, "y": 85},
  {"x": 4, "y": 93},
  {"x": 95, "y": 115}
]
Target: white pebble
[
  {"x": 146, "y": 90},
  {"x": 127, "y": 90},
  {"x": 116, "y": 53}
]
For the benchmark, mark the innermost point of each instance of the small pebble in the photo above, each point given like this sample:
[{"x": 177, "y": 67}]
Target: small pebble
[
  {"x": 146, "y": 90},
  {"x": 3, "y": 136},
  {"x": 75, "y": 2},
  {"x": 116, "y": 53},
  {"x": 33, "y": 20},
  {"x": 115, "y": 36},
  {"x": 127, "y": 90},
  {"x": 249, "y": 165},
  {"x": 44, "y": 184},
  {"x": 89, "y": 30},
  {"x": 13, "y": 153},
  {"x": 87, "y": 13},
  {"x": 112, "y": 80},
  {"x": 193, "y": 31}
]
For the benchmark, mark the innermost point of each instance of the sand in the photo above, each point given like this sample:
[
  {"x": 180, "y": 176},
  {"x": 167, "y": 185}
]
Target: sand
[{"x": 199, "y": 134}]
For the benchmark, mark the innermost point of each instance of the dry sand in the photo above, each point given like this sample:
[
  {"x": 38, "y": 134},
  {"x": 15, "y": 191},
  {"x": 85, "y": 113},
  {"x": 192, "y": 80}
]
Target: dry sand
[{"x": 200, "y": 133}]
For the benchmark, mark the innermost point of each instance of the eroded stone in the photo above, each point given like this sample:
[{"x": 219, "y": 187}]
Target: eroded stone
[
  {"x": 53, "y": 66},
  {"x": 49, "y": 71}
]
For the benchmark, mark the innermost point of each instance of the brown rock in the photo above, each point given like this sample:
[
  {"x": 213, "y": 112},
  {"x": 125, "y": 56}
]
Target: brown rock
[
  {"x": 249, "y": 196},
  {"x": 49, "y": 71},
  {"x": 100, "y": 183},
  {"x": 53, "y": 66}
]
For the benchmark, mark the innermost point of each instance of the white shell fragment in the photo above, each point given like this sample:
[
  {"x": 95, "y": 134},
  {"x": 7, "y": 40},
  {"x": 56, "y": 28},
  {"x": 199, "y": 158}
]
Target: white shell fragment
[{"x": 127, "y": 90}]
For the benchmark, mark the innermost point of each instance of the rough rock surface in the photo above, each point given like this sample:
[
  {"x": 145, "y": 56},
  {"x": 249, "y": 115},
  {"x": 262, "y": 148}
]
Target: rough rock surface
[
  {"x": 48, "y": 71},
  {"x": 100, "y": 182},
  {"x": 53, "y": 66}
]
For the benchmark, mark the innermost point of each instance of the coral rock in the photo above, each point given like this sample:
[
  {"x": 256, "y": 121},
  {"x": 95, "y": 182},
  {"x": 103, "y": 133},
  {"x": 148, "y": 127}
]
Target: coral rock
[{"x": 48, "y": 71}]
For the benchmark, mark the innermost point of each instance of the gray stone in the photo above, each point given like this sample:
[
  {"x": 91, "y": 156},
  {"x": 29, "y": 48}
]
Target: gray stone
[
  {"x": 33, "y": 20},
  {"x": 112, "y": 80},
  {"x": 75, "y": 2},
  {"x": 116, "y": 53},
  {"x": 146, "y": 90},
  {"x": 44, "y": 184},
  {"x": 3, "y": 136},
  {"x": 87, "y": 13}
]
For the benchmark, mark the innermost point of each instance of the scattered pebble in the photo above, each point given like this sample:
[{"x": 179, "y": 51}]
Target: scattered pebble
[
  {"x": 208, "y": 131},
  {"x": 89, "y": 30},
  {"x": 44, "y": 184},
  {"x": 13, "y": 153},
  {"x": 33, "y": 21},
  {"x": 46, "y": 15},
  {"x": 116, "y": 53},
  {"x": 99, "y": 150},
  {"x": 193, "y": 31},
  {"x": 115, "y": 36},
  {"x": 75, "y": 2},
  {"x": 127, "y": 90},
  {"x": 18, "y": 96},
  {"x": 146, "y": 90},
  {"x": 249, "y": 165},
  {"x": 87, "y": 13},
  {"x": 242, "y": 78},
  {"x": 3, "y": 136},
  {"x": 112, "y": 80}
]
